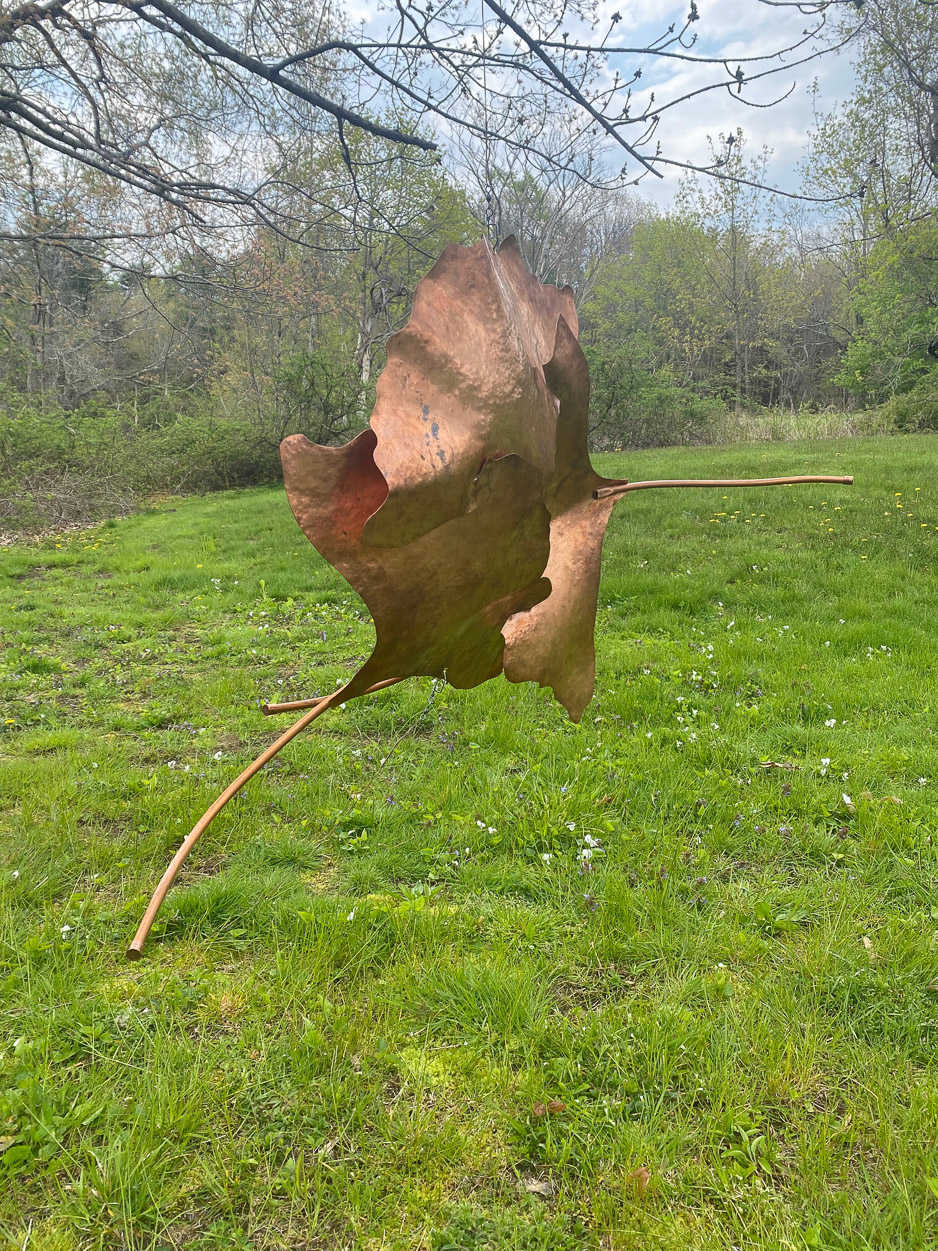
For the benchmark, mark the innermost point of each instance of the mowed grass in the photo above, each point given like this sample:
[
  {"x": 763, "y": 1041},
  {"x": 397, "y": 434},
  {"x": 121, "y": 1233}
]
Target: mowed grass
[{"x": 454, "y": 972}]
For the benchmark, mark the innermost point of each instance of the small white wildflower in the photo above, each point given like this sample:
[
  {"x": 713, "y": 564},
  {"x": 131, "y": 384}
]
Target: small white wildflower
[
  {"x": 94, "y": 764},
  {"x": 825, "y": 761},
  {"x": 831, "y": 722},
  {"x": 590, "y": 841},
  {"x": 546, "y": 857},
  {"x": 571, "y": 825},
  {"x": 16, "y": 872},
  {"x": 480, "y": 824},
  {"x": 170, "y": 764},
  {"x": 351, "y": 916},
  {"x": 66, "y": 929},
  {"x": 828, "y": 643},
  {"x": 218, "y": 755},
  {"x": 923, "y": 781}
]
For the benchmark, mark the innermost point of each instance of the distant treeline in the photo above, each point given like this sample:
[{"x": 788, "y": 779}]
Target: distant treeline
[{"x": 120, "y": 378}]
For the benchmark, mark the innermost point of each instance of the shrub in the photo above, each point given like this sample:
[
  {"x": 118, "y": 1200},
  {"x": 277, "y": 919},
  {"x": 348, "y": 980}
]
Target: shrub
[
  {"x": 916, "y": 409},
  {"x": 632, "y": 407},
  {"x": 58, "y": 468}
]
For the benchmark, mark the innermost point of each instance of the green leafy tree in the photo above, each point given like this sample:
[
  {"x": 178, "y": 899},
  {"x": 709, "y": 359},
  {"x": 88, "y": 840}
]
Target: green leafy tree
[{"x": 896, "y": 305}]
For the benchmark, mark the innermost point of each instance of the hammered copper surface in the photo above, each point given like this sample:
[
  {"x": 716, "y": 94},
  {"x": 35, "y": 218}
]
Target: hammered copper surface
[
  {"x": 552, "y": 643},
  {"x": 438, "y": 602},
  {"x": 464, "y": 383},
  {"x": 473, "y": 483}
]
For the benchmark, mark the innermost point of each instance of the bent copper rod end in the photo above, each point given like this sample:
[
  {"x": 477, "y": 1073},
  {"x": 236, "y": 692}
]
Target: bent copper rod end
[
  {"x": 135, "y": 950},
  {"x": 620, "y": 488},
  {"x": 316, "y": 708}
]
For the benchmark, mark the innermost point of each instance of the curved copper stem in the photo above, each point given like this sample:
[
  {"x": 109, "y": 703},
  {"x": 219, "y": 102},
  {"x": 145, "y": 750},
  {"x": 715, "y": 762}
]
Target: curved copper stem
[
  {"x": 320, "y": 706},
  {"x": 605, "y": 493},
  {"x": 296, "y": 704}
]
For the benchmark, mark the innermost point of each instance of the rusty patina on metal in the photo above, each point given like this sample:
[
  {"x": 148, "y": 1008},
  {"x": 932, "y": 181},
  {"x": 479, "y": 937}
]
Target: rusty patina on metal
[{"x": 465, "y": 517}]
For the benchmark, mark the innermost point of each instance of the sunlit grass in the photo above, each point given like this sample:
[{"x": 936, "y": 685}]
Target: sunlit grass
[{"x": 380, "y": 966}]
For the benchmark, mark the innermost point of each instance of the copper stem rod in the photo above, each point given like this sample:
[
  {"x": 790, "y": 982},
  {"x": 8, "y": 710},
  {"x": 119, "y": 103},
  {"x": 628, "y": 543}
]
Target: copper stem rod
[
  {"x": 296, "y": 704},
  {"x": 604, "y": 493},
  {"x": 322, "y": 705}
]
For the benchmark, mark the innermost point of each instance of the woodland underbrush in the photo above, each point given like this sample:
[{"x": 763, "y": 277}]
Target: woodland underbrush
[{"x": 62, "y": 468}]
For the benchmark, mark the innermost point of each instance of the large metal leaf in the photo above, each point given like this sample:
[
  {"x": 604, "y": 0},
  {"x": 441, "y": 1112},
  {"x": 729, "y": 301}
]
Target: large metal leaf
[{"x": 473, "y": 483}]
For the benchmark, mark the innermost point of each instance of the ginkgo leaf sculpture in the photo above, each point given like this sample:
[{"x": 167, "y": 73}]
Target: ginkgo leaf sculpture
[{"x": 468, "y": 516}]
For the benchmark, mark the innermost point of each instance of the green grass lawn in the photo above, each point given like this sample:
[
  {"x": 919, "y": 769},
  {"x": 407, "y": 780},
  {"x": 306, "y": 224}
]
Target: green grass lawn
[{"x": 390, "y": 1003}]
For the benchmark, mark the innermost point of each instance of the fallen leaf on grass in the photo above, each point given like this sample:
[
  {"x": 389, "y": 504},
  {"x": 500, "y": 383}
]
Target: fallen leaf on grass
[
  {"x": 6, "y": 1143},
  {"x": 868, "y": 944},
  {"x": 639, "y": 1179},
  {"x": 533, "y": 1186},
  {"x": 551, "y": 1108},
  {"x": 777, "y": 764}
]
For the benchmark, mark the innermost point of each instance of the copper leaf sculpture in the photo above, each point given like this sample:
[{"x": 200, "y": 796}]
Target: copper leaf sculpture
[
  {"x": 468, "y": 516},
  {"x": 465, "y": 516}
]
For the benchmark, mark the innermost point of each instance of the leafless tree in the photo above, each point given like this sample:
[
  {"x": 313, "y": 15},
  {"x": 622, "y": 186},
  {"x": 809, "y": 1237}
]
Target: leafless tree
[{"x": 198, "y": 111}]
